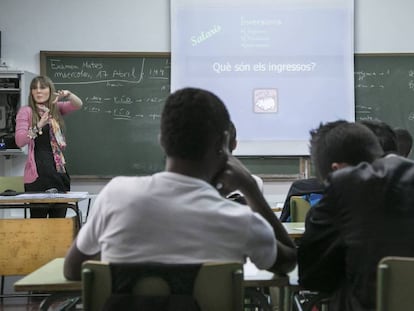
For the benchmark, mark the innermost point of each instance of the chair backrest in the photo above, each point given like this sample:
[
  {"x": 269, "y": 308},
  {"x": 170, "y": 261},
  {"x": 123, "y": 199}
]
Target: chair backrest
[
  {"x": 11, "y": 183},
  {"x": 299, "y": 207},
  {"x": 395, "y": 284},
  {"x": 27, "y": 244},
  {"x": 216, "y": 287}
]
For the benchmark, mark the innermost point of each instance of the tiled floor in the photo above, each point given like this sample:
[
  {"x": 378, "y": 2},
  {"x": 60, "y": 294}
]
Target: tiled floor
[{"x": 19, "y": 304}]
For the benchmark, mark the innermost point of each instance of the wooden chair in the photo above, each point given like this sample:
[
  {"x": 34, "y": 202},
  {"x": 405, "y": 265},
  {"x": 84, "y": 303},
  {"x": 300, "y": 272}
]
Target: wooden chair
[
  {"x": 395, "y": 284},
  {"x": 216, "y": 287},
  {"x": 299, "y": 207},
  {"x": 27, "y": 244},
  {"x": 10, "y": 183}
]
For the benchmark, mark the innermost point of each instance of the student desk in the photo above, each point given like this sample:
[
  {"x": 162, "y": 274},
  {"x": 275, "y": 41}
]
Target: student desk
[
  {"x": 25, "y": 200},
  {"x": 49, "y": 278},
  {"x": 276, "y": 201},
  {"x": 281, "y": 286},
  {"x": 294, "y": 229}
]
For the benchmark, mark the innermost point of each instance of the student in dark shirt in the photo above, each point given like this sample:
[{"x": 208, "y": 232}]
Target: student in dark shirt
[
  {"x": 311, "y": 189},
  {"x": 365, "y": 210},
  {"x": 404, "y": 141},
  {"x": 385, "y": 134}
]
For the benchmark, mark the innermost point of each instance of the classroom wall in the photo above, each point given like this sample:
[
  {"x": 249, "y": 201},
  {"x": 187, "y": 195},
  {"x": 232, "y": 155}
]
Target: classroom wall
[
  {"x": 129, "y": 25},
  {"x": 94, "y": 25},
  {"x": 77, "y": 25}
]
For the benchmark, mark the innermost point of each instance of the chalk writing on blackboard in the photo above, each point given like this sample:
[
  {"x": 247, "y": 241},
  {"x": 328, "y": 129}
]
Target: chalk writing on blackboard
[
  {"x": 384, "y": 89},
  {"x": 123, "y": 95},
  {"x": 95, "y": 72},
  {"x": 99, "y": 73},
  {"x": 364, "y": 112},
  {"x": 121, "y": 107},
  {"x": 121, "y": 78},
  {"x": 371, "y": 79}
]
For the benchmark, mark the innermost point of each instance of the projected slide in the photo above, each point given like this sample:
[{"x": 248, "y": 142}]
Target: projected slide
[{"x": 281, "y": 67}]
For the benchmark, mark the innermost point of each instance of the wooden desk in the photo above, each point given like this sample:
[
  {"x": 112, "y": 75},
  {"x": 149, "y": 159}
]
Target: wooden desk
[
  {"x": 280, "y": 285},
  {"x": 254, "y": 277},
  {"x": 275, "y": 200},
  {"x": 24, "y": 200},
  {"x": 49, "y": 278}
]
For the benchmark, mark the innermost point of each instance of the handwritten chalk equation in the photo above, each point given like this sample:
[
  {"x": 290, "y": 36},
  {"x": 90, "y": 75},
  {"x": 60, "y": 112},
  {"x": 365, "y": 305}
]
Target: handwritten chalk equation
[
  {"x": 121, "y": 113},
  {"x": 378, "y": 79},
  {"x": 371, "y": 79},
  {"x": 122, "y": 100}
]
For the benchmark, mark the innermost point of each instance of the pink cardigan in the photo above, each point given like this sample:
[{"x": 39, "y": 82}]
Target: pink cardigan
[{"x": 23, "y": 123}]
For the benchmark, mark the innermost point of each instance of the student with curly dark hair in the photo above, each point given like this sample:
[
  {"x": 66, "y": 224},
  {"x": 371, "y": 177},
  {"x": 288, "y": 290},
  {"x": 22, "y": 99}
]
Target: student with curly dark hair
[
  {"x": 404, "y": 141},
  {"x": 365, "y": 214}
]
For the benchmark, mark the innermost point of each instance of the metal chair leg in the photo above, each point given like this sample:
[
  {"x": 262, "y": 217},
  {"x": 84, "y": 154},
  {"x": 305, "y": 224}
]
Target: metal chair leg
[{"x": 2, "y": 286}]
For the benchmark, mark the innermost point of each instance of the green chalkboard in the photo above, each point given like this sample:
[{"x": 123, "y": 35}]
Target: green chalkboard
[
  {"x": 384, "y": 89},
  {"x": 116, "y": 132},
  {"x": 277, "y": 167}
]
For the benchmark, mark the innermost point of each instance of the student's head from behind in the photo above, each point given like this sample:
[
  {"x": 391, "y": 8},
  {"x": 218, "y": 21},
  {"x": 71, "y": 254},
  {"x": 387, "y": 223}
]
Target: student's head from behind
[
  {"x": 193, "y": 123},
  {"x": 404, "y": 141},
  {"x": 232, "y": 137},
  {"x": 384, "y": 133},
  {"x": 340, "y": 143}
]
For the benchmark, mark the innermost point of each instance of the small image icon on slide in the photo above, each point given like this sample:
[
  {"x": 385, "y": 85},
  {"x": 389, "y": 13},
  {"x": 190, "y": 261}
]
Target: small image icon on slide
[{"x": 265, "y": 101}]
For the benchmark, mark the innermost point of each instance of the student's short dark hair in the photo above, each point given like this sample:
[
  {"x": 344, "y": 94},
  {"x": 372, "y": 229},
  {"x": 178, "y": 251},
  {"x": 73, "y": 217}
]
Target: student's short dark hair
[
  {"x": 232, "y": 136},
  {"x": 192, "y": 122},
  {"x": 384, "y": 133},
  {"x": 343, "y": 142},
  {"x": 404, "y": 141}
]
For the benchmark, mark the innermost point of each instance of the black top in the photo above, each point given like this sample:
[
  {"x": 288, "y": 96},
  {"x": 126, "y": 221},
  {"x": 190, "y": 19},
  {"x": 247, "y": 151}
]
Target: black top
[
  {"x": 366, "y": 213},
  {"x": 46, "y": 168}
]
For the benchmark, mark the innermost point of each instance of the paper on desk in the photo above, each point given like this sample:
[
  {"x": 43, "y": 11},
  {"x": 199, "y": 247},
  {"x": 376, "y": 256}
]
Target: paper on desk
[
  {"x": 250, "y": 271},
  {"x": 75, "y": 194},
  {"x": 68, "y": 195},
  {"x": 250, "y": 268},
  {"x": 34, "y": 195},
  {"x": 299, "y": 228}
]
